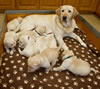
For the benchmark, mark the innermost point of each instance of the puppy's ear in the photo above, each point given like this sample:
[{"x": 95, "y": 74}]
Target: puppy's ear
[
  {"x": 75, "y": 12},
  {"x": 58, "y": 10}
]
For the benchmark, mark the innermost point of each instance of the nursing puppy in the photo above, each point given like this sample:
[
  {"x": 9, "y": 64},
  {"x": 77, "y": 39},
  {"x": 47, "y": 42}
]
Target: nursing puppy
[
  {"x": 32, "y": 34},
  {"x": 10, "y": 42},
  {"x": 62, "y": 23},
  {"x": 46, "y": 38},
  {"x": 23, "y": 41},
  {"x": 46, "y": 59},
  {"x": 74, "y": 65},
  {"x": 28, "y": 45},
  {"x": 14, "y": 24}
]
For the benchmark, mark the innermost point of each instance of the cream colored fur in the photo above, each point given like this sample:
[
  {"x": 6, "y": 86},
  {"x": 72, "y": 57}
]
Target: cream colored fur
[
  {"x": 43, "y": 59},
  {"x": 14, "y": 24},
  {"x": 74, "y": 65},
  {"x": 55, "y": 23},
  {"x": 10, "y": 42}
]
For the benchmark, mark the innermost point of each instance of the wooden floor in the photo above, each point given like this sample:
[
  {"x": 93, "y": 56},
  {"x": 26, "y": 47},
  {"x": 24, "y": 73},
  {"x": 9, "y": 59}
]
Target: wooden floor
[{"x": 91, "y": 36}]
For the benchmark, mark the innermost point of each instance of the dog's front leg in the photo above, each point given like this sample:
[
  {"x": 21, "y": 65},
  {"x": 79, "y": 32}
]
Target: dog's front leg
[
  {"x": 73, "y": 35},
  {"x": 61, "y": 42}
]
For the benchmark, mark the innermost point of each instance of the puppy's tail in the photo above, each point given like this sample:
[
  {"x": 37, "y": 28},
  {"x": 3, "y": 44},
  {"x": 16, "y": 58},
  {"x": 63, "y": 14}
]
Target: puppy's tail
[{"x": 95, "y": 71}]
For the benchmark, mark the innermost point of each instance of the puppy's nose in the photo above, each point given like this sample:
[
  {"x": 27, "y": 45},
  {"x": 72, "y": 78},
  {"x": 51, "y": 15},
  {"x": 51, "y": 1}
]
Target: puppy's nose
[
  {"x": 10, "y": 49},
  {"x": 64, "y": 18}
]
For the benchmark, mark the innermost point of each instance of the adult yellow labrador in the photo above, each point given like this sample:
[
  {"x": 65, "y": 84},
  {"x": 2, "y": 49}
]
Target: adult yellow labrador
[{"x": 62, "y": 23}]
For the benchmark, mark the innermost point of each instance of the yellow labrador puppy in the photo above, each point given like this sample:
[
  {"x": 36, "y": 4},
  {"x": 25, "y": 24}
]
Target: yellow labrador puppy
[
  {"x": 46, "y": 59},
  {"x": 46, "y": 38},
  {"x": 28, "y": 45},
  {"x": 14, "y": 24},
  {"x": 74, "y": 65},
  {"x": 10, "y": 42},
  {"x": 62, "y": 23}
]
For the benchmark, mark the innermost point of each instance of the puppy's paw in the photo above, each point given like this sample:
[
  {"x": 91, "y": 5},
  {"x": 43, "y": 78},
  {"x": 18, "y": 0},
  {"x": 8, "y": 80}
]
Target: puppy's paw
[
  {"x": 11, "y": 53},
  {"x": 8, "y": 51},
  {"x": 56, "y": 69},
  {"x": 19, "y": 50}
]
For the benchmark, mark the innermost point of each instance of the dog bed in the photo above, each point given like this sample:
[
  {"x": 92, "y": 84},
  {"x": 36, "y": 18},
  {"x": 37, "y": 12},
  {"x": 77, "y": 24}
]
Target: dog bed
[{"x": 14, "y": 75}]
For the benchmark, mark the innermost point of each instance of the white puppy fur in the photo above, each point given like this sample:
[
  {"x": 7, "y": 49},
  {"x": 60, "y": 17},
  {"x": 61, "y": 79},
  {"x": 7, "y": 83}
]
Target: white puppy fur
[
  {"x": 29, "y": 46},
  {"x": 62, "y": 24},
  {"x": 14, "y": 24},
  {"x": 74, "y": 65},
  {"x": 43, "y": 59},
  {"x": 46, "y": 38},
  {"x": 32, "y": 34},
  {"x": 10, "y": 42}
]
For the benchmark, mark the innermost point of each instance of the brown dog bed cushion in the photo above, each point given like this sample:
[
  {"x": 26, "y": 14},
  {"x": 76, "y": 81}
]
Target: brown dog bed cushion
[{"x": 14, "y": 75}]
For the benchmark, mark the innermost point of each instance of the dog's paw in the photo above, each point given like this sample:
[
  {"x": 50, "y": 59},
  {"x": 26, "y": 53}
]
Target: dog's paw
[
  {"x": 7, "y": 51},
  {"x": 55, "y": 69},
  {"x": 11, "y": 53},
  {"x": 19, "y": 50}
]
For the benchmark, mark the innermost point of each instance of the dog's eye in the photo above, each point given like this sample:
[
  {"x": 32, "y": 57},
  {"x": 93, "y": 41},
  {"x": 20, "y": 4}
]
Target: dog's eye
[
  {"x": 69, "y": 11},
  {"x": 62, "y": 10}
]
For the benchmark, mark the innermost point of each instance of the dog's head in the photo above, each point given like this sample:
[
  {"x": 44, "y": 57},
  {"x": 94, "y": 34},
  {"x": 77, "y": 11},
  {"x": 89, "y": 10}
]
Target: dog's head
[
  {"x": 66, "y": 13},
  {"x": 33, "y": 64},
  {"x": 41, "y": 30},
  {"x": 23, "y": 40},
  {"x": 66, "y": 53},
  {"x": 10, "y": 43}
]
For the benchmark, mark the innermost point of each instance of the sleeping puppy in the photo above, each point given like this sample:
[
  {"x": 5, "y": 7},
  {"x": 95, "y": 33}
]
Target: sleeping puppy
[
  {"x": 14, "y": 24},
  {"x": 41, "y": 30},
  {"x": 23, "y": 41},
  {"x": 74, "y": 65},
  {"x": 32, "y": 34},
  {"x": 61, "y": 24},
  {"x": 10, "y": 42},
  {"x": 44, "y": 59},
  {"x": 46, "y": 38},
  {"x": 28, "y": 45}
]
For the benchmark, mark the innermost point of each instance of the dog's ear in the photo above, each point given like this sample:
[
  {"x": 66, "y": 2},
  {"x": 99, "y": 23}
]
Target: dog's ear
[
  {"x": 58, "y": 10},
  {"x": 75, "y": 12}
]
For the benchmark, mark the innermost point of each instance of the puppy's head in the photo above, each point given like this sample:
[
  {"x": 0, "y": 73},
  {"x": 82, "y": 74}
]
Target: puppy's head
[
  {"x": 41, "y": 29},
  {"x": 33, "y": 64},
  {"x": 66, "y": 53},
  {"x": 20, "y": 19},
  {"x": 23, "y": 40},
  {"x": 66, "y": 13},
  {"x": 10, "y": 43}
]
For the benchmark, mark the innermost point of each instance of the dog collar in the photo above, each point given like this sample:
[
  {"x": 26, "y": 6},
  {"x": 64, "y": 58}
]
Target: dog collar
[{"x": 68, "y": 57}]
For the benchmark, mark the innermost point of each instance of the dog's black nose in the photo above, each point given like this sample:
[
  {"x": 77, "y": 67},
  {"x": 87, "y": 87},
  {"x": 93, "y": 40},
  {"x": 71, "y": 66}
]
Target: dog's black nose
[{"x": 64, "y": 18}]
